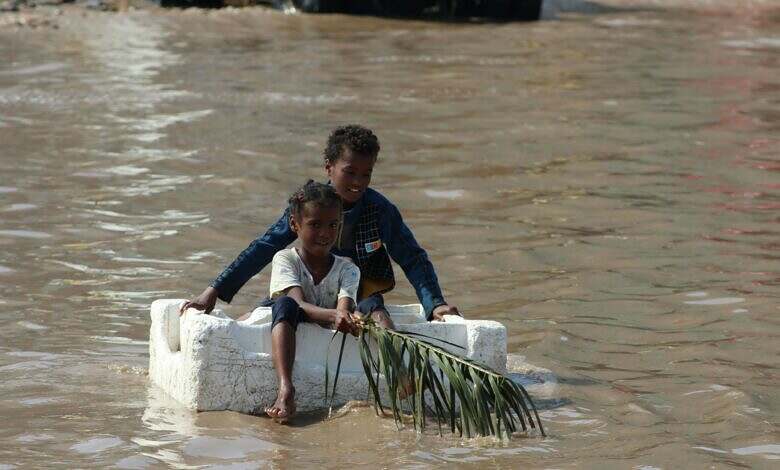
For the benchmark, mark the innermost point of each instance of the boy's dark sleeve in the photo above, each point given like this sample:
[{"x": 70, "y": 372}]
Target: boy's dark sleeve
[
  {"x": 254, "y": 258},
  {"x": 405, "y": 251}
]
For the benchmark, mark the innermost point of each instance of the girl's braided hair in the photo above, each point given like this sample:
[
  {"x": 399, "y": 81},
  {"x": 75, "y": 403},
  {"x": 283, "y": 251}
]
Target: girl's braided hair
[
  {"x": 321, "y": 195},
  {"x": 358, "y": 139}
]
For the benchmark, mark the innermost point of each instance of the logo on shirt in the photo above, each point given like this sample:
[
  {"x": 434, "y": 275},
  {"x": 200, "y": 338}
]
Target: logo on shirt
[{"x": 373, "y": 246}]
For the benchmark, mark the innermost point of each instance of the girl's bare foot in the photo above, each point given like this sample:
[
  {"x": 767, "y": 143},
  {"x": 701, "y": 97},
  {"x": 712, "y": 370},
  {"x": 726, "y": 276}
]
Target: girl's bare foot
[{"x": 284, "y": 407}]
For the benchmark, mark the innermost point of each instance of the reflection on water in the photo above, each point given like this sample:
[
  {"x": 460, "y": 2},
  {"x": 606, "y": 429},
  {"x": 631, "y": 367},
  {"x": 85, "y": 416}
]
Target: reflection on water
[{"x": 606, "y": 194}]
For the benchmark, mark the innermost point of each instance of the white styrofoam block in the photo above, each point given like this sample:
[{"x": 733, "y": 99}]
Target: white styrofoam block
[{"x": 210, "y": 362}]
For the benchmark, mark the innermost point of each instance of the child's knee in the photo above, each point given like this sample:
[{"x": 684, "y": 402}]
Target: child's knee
[
  {"x": 283, "y": 304},
  {"x": 371, "y": 304},
  {"x": 381, "y": 317},
  {"x": 380, "y": 314},
  {"x": 285, "y": 309}
]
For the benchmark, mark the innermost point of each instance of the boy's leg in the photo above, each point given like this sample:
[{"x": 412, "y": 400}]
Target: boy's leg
[
  {"x": 374, "y": 306},
  {"x": 285, "y": 315}
]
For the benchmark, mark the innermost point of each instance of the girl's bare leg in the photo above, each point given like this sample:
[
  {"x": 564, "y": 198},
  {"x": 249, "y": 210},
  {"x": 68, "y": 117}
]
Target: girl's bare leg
[{"x": 283, "y": 353}]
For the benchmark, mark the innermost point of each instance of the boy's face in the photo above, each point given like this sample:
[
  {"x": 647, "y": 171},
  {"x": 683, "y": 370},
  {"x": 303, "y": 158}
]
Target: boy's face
[
  {"x": 317, "y": 228},
  {"x": 350, "y": 175}
]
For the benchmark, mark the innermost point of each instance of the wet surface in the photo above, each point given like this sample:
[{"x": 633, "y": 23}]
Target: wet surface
[{"x": 605, "y": 185}]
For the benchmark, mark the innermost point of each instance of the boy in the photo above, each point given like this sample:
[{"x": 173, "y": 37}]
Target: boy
[{"x": 373, "y": 231}]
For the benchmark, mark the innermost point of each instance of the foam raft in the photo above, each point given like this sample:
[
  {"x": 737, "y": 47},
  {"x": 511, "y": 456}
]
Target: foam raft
[{"x": 211, "y": 362}]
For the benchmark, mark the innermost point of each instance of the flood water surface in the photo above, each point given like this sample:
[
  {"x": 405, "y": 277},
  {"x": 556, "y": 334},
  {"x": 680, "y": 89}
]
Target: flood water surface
[{"x": 606, "y": 185}]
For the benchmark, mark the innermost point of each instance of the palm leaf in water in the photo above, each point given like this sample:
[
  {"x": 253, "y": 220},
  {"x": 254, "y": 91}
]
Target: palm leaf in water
[
  {"x": 467, "y": 397},
  {"x": 332, "y": 396}
]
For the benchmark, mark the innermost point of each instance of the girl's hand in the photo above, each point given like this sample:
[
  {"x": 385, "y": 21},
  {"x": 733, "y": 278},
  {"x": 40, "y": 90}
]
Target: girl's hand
[
  {"x": 343, "y": 322},
  {"x": 204, "y": 301}
]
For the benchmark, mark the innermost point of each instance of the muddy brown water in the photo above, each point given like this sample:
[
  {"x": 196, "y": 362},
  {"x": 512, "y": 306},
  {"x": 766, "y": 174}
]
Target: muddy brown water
[{"x": 605, "y": 185}]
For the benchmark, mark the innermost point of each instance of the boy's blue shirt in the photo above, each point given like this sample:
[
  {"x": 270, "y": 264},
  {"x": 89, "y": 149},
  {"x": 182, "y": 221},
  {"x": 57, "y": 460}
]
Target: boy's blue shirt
[{"x": 395, "y": 235}]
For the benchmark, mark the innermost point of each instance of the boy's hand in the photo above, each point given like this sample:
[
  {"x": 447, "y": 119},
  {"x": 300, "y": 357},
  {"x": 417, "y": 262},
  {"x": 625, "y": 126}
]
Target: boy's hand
[
  {"x": 444, "y": 309},
  {"x": 343, "y": 322},
  {"x": 204, "y": 301}
]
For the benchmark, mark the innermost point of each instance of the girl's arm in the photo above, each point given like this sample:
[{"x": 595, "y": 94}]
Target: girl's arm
[{"x": 339, "y": 318}]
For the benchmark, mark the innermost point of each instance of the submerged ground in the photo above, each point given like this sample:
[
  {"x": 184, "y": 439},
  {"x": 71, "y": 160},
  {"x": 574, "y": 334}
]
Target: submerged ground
[{"x": 606, "y": 185}]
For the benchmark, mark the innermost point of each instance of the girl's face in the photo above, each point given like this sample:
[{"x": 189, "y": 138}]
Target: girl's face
[
  {"x": 350, "y": 175},
  {"x": 317, "y": 228}
]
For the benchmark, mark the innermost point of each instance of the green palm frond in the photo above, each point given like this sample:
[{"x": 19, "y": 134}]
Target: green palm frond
[{"x": 464, "y": 396}]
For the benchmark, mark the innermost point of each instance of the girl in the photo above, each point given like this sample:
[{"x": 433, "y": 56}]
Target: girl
[{"x": 309, "y": 283}]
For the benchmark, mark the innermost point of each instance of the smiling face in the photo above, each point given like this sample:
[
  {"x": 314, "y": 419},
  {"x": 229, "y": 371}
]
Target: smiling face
[
  {"x": 317, "y": 228},
  {"x": 350, "y": 175}
]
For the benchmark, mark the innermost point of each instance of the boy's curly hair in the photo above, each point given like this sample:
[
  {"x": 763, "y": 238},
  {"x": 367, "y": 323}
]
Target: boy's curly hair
[
  {"x": 356, "y": 138},
  {"x": 319, "y": 194}
]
